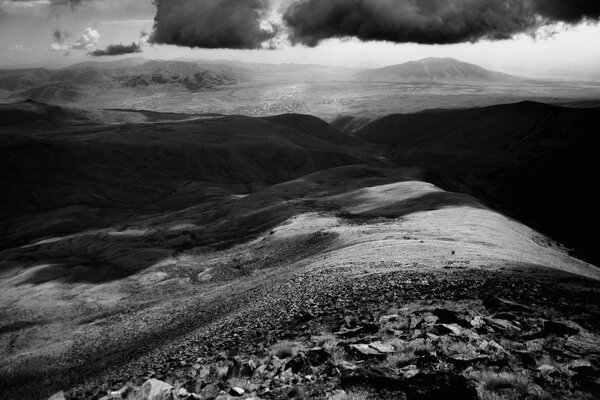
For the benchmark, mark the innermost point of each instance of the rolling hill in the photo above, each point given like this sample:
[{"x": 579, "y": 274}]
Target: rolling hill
[{"x": 534, "y": 161}]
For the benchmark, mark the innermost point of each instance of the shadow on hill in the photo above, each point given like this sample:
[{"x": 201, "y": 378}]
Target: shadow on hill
[
  {"x": 101, "y": 255},
  {"x": 536, "y": 162},
  {"x": 426, "y": 202}
]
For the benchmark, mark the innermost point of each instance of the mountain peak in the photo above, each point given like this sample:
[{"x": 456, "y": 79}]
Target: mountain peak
[{"x": 435, "y": 69}]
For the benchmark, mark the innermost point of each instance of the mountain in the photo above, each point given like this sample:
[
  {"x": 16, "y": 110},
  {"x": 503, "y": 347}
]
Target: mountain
[
  {"x": 534, "y": 161},
  {"x": 439, "y": 70},
  {"x": 128, "y": 62},
  {"x": 70, "y": 84},
  {"x": 192, "y": 76}
]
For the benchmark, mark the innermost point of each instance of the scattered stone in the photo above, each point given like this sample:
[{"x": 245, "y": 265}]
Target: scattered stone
[
  {"x": 210, "y": 391},
  {"x": 183, "y": 392},
  {"x": 153, "y": 389},
  {"x": 389, "y": 318},
  {"x": 345, "y": 366},
  {"x": 236, "y": 391},
  {"x": 365, "y": 350},
  {"x": 382, "y": 347},
  {"x": 502, "y": 325},
  {"x": 58, "y": 396},
  {"x": 293, "y": 393},
  {"x": 297, "y": 363},
  {"x": 338, "y": 395},
  {"x": 496, "y": 303},
  {"x": 583, "y": 367},
  {"x": 546, "y": 369},
  {"x": 446, "y": 316},
  {"x": 559, "y": 329},
  {"x": 507, "y": 316},
  {"x": 583, "y": 344},
  {"x": 527, "y": 359},
  {"x": 415, "y": 322},
  {"x": 318, "y": 355},
  {"x": 535, "y": 345},
  {"x": 477, "y": 322},
  {"x": 409, "y": 371},
  {"x": 445, "y": 329},
  {"x": 348, "y": 333}
]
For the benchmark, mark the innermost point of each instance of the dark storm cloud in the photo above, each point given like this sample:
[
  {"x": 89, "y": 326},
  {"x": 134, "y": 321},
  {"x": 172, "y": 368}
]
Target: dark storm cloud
[
  {"x": 237, "y": 23},
  {"x": 117, "y": 50},
  {"x": 570, "y": 11},
  {"x": 429, "y": 21},
  {"x": 211, "y": 23}
]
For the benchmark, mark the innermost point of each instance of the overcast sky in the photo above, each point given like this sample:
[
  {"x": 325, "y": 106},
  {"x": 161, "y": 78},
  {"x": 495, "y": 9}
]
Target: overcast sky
[{"x": 543, "y": 37}]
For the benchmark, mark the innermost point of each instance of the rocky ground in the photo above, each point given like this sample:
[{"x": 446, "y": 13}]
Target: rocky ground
[{"x": 518, "y": 333}]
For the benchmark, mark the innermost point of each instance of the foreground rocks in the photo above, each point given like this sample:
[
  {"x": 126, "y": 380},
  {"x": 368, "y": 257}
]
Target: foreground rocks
[{"x": 490, "y": 349}]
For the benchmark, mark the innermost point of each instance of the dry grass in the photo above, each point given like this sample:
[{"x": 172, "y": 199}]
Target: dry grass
[
  {"x": 329, "y": 342},
  {"x": 286, "y": 348},
  {"x": 406, "y": 352},
  {"x": 459, "y": 349},
  {"x": 350, "y": 396},
  {"x": 326, "y": 340},
  {"x": 222, "y": 372},
  {"x": 504, "y": 380},
  {"x": 508, "y": 386},
  {"x": 241, "y": 383}
]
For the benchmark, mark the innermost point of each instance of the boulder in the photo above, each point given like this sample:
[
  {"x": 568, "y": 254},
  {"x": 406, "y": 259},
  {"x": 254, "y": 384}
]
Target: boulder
[
  {"x": 153, "y": 389},
  {"x": 502, "y": 325},
  {"x": 297, "y": 363},
  {"x": 318, "y": 356},
  {"x": 447, "y": 329},
  {"x": 236, "y": 391},
  {"x": 560, "y": 328},
  {"x": 497, "y": 303},
  {"x": 58, "y": 396},
  {"x": 382, "y": 347},
  {"x": 210, "y": 392},
  {"x": 584, "y": 343},
  {"x": 449, "y": 317},
  {"x": 583, "y": 367},
  {"x": 389, "y": 318},
  {"x": 365, "y": 351}
]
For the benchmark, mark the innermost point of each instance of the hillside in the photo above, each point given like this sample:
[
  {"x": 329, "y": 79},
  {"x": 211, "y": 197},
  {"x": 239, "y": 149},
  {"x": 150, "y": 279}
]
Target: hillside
[
  {"x": 40, "y": 118},
  {"x": 282, "y": 257},
  {"x": 436, "y": 70},
  {"x": 532, "y": 160}
]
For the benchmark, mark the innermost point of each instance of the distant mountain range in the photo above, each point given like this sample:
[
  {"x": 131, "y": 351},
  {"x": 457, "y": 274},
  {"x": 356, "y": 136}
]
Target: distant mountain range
[{"x": 70, "y": 84}]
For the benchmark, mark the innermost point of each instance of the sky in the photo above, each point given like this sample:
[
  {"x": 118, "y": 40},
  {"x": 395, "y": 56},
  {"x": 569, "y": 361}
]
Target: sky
[{"x": 528, "y": 37}]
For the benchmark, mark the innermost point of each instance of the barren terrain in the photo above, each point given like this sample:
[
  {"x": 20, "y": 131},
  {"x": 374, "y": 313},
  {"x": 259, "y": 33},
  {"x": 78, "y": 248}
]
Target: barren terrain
[{"x": 142, "y": 245}]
